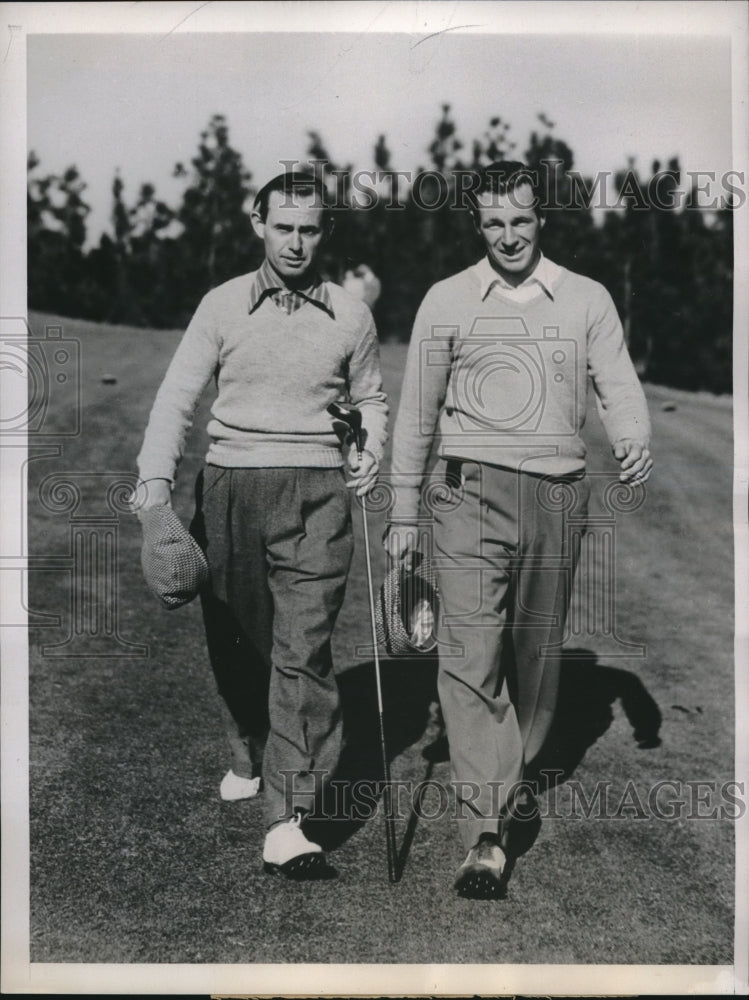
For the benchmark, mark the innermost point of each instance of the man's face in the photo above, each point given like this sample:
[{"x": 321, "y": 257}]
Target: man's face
[
  {"x": 511, "y": 230},
  {"x": 293, "y": 234}
]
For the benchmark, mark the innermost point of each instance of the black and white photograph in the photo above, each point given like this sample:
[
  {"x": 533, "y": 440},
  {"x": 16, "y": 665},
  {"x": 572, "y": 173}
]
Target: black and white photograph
[{"x": 374, "y": 477}]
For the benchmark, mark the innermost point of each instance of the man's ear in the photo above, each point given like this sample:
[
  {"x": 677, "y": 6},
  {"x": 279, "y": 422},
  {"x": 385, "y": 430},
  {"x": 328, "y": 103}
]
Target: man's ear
[
  {"x": 328, "y": 228},
  {"x": 257, "y": 224},
  {"x": 542, "y": 221}
]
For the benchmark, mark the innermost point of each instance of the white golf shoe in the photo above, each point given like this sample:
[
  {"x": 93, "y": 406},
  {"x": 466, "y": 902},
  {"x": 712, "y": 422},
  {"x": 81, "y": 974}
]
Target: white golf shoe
[
  {"x": 233, "y": 787},
  {"x": 287, "y": 852}
]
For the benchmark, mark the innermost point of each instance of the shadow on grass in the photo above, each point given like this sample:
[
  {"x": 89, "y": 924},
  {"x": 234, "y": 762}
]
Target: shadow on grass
[
  {"x": 409, "y": 688},
  {"x": 588, "y": 691}
]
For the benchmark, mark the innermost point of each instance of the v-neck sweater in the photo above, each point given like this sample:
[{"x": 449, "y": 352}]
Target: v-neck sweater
[
  {"x": 276, "y": 374},
  {"x": 506, "y": 381}
]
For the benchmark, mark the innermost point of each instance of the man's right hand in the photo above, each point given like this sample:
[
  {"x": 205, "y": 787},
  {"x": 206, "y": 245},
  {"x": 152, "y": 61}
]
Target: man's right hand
[
  {"x": 401, "y": 541},
  {"x": 152, "y": 493}
]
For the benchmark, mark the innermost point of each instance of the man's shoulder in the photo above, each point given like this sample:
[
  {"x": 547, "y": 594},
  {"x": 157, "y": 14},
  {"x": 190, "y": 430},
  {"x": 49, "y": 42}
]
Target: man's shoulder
[
  {"x": 462, "y": 282},
  {"x": 232, "y": 289},
  {"x": 349, "y": 311},
  {"x": 580, "y": 284}
]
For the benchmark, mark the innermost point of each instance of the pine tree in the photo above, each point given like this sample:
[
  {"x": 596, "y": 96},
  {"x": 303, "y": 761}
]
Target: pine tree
[
  {"x": 56, "y": 234},
  {"x": 217, "y": 241}
]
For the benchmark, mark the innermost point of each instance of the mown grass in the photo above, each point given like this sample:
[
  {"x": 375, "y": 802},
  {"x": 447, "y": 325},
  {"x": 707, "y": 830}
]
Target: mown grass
[{"x": 135, "y": 859}]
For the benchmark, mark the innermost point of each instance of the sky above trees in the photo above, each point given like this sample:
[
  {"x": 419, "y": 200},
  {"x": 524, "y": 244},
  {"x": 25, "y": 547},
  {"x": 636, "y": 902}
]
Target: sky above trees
[{"x": 136, "y": 103}]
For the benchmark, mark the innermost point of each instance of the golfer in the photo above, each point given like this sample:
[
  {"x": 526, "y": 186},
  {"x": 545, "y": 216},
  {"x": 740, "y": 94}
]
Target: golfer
[
  {"x": 272, "y": 504},
  {"x": 499, "y": 361}
]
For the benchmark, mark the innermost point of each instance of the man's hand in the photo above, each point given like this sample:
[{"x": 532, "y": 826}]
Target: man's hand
[
  {"x": 152, "y": 493},
  {"x": 635, "y": 461},
  {"x": 401, "y": 541},
  {"x": 363, "y": 472}
]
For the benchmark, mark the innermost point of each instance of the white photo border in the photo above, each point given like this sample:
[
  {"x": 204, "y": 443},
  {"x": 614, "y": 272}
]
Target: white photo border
[{"x": 19, "y": 21}]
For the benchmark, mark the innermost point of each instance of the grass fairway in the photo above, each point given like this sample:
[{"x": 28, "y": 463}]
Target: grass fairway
[{"x": 135, "y": 859}]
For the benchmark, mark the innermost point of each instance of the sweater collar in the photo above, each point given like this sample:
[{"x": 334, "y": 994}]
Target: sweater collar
[
  {"x": 266, "y": 282},
  {"x": 545, "y": 274}
]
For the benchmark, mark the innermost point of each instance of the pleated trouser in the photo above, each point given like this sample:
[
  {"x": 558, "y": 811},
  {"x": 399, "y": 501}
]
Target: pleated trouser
[
  {"x": 279, "y": 545},
  {"x": 504, "y": 565}
]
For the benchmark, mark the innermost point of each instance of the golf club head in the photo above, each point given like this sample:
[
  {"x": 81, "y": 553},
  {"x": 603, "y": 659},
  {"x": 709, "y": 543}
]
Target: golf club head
[{"x": 349, "y": 415}]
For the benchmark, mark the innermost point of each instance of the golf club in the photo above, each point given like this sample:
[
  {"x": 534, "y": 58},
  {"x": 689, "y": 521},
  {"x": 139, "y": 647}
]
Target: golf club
[{"x": 350, "y": 416}]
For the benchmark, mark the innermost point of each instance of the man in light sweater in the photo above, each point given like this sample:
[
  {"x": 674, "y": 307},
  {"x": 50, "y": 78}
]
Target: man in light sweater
[
  {"x": 273, "y": 508},
  {"x": 498, "y": 363}
]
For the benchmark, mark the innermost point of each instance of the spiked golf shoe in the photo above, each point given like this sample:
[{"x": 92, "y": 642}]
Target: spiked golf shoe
[
  {"x": 480, "y": 875},
  {"x": 287, "y": 852}
]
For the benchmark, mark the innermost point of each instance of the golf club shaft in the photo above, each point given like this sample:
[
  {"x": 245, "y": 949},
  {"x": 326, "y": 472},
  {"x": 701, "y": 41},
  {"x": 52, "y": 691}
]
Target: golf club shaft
[{"x": 387, "y": 790}]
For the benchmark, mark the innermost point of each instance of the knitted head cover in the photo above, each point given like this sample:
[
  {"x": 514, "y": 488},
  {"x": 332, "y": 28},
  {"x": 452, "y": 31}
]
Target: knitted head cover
[
  {"x": 173, "y": 563},
  {"x": 406, "y": 609}
]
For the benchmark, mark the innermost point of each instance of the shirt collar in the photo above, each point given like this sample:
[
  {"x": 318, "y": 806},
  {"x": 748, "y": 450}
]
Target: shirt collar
[
  {"x": 267, "y": 281},
  {"x": 545, "y": 273}
]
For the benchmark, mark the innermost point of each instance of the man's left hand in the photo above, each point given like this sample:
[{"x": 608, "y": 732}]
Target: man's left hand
[
  {"x": 363, "y": 473},
  {"x": 635, "y": 461}
]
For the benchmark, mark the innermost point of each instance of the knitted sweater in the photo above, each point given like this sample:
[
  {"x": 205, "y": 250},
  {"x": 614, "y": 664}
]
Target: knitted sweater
[
  {"x": 508, "y": 381},
  {"x": 275, "y": 374}
]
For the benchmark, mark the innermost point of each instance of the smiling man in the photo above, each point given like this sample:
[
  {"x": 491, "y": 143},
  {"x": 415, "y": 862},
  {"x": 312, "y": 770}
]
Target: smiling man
[
  {"x": 273, "y": 509},
  {"x": 499, "y": 362}
]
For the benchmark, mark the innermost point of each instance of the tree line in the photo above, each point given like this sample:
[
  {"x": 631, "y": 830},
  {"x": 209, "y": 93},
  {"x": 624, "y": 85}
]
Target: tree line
[{"x": 667, "y": 263}]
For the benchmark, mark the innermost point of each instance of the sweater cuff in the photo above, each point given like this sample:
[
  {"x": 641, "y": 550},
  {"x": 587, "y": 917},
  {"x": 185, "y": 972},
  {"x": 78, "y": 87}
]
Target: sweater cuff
[
  {"x": 374, "y": 441},
  {"x": 148, "y": 471},
  {"x": 405, "y": 510},
  {"x": 630, "y": 429}
]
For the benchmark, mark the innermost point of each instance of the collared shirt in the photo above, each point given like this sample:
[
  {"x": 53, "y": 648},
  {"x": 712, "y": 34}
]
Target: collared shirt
[
  {"x": 267, "y": 282},
  {"x": 541, "y": 280}
]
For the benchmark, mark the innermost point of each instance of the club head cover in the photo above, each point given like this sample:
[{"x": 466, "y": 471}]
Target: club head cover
[
  {"x": 406, "y": 610},
  {"x": 174, "y": 566}
]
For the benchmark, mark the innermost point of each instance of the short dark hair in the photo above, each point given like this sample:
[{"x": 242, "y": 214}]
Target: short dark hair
[
  {"x": 293, "y": 183},
  {"x": 501, "y": 177}
]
